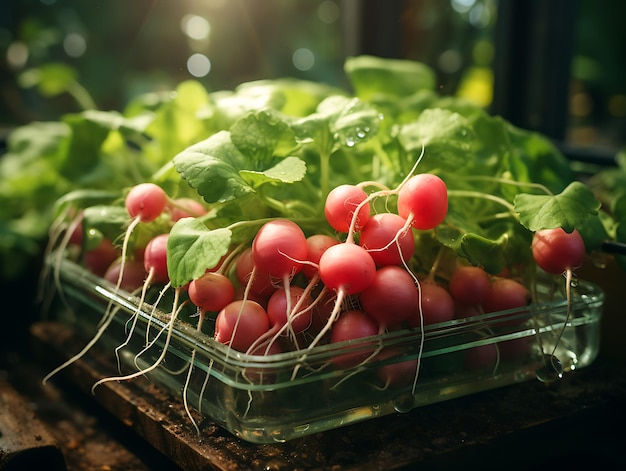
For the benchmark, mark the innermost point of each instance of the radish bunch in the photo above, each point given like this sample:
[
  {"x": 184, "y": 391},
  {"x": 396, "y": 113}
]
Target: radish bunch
[{"x": 310, "y": 217}]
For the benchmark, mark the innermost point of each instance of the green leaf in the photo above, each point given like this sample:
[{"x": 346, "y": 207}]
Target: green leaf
[
  {"x": 50, "y": 79},
  {"x": 477, "y": 249},
  {"x": 176, "y": 124},
  {"x": 288, "y": 170},
  {"x": 261, "y": 135},
  {"x": 371, "y": 76},
  {"x": 192, "y": 249},
  {"x": 339, "y": 122},
  {"x": 212, "y": 167},
  {"x": 447, "y": 138},
  {"x": 569, "y": 209},
  {"x": 293, "y": 97},
  {"x": 106, "y": 219}
]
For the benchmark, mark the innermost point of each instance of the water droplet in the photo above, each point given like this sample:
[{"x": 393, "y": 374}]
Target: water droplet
[
  {"x": 403, "y": 402},
  {"x": 381, "y": 116},
  {"x": 552, "y": 369},
  {"x": 350, "y": 141},
  {"x": 360, "y": 133}
]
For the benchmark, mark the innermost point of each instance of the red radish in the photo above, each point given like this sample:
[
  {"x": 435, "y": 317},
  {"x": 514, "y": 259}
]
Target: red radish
[
  {"x": 279, "y": 315},
  {"x": 387, "y": 239},
  {"x": 146, "y": 201},
  {"x": 211, "y": 292},
  {"x": 133, "y": 277},
  {"x": 397, "y": 373},
  {"x": 505, "y": 293},
  {"x": 155, "y": 259},
  {"x": 391, "y": 298},
  {"x": 347, "y": 268},
  {"x": 353, "y": 325},
  {"x": 469, "y": 284},
  {"x": 341, "y": 204},
  {"x": 186, "y": 207},
  {"x": 435, "y": 305},
  {"x": 279, "y": 248},
  {"x": 423, "y": 200},
  {"x": 316, "y": 246},
  {"x": 482, "y": 357},
  {"x": 258, "y": 283},
  {"x": 98, "y": 260},
  {"x": 557, "y": 251},
  {"x": 240, "y": 323}
]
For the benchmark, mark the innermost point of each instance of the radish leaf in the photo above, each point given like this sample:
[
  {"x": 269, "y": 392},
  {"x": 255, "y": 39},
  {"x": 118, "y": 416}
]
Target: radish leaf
[
  {"x": 569, "y": 209},
  {"x": 192, "y": 249}
]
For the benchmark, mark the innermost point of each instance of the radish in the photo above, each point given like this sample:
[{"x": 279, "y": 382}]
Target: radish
[
  {"x": 279, "y": 248},
  {"x": 347, "y": 207},
  {"x": 211, "y": 292},
  {"x": 423, "y": 201},
  {"x": 144, "y": 203},
  {"x": 353, "y": 324},
  {"x": 316, "y": 246},
  {"x": 99, "y": 259},
  {"x": 558, "y": 252},
  {"x": 155, "y": 259},
  {"x": 391, "y": 298},
  {"x": 435, "y": 305},
  {"x": 185, "y": 207},
  {"x": 346, "y": 269},
  {"x": 278, "y": 309},
  {"x": 398, "y": 373},
  {"x": 258, "y": 284},
  {"x": 469, "y": 284},
  {"x": 240, "y": 323},
  {"x": 133, "y": 277},
  {"x": 504, "y": 294},
  {"x": 387, "y": 239},
  {"x": 287, "y": 310}
]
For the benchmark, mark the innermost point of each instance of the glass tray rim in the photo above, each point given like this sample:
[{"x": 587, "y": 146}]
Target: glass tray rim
[{"x": 79, "y": 277}]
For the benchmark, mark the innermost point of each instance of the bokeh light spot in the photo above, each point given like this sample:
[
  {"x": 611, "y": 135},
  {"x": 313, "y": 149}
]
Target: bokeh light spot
[
  {"x": 303, "y": 59},
  {"x": 328, "y": 12},
  {"x": 74, "y": 45},
  {"x": 196, "y": 27},
  {"x": 17, "y": 54},
  {"x": 199, "y": 65}
]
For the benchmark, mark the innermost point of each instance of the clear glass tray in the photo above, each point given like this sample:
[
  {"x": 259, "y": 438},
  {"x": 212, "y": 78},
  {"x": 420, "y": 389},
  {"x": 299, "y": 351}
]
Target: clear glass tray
[{"x": 283, "y": 396}]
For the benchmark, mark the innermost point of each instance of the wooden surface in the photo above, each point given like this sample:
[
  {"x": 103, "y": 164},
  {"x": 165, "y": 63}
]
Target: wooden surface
[{"x": 132, "y": 425}]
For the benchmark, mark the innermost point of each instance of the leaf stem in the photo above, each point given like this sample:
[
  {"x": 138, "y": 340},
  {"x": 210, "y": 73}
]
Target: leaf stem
[
  {"x": 506, "y": 181},
  {"x": 477, "y": 194}
]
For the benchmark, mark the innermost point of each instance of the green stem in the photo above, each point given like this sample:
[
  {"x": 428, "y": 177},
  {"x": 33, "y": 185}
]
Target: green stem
[
  {"x": 477, "y": 194},
  {"x": 506, "y": 181},
  {"x": 325, "y": 173},
  {"x": 82, "y": 96}
]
